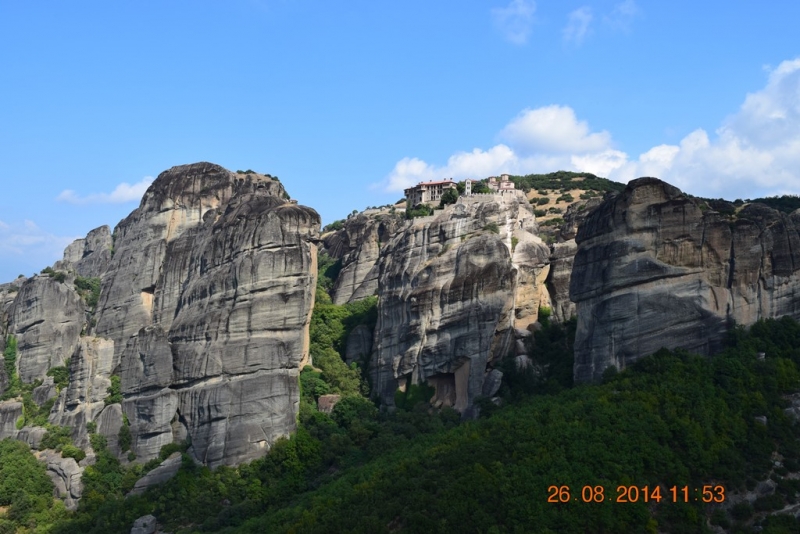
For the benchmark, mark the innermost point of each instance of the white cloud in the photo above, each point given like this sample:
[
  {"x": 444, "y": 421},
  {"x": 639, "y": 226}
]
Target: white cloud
[
  {"x": 124, "y": 192},
  {"x": 577, "y": 27},
  {"x": 622, "y": 15},
  {"x": 599, "y": 163},
  {"x": 755, "y": 152},
  {"x": 537, "y": 140},
  {"x": 553, "y": 129},
  {"x": 515, "y": 20},
  {"x": 30, "y": 244}
]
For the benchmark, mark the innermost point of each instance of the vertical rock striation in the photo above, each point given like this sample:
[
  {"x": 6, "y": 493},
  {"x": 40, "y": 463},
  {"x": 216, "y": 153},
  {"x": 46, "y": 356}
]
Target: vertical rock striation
[
  {"x": 203, "y": 315},
  {"x": 358, "y": 246},
  {"x": 657, "y": 268},
  {"x": 47, "y": 318},
  {"x": 447, "y": 297},
  {"x": 89, "y": 256},
  {"x": 207, "y": 301}
]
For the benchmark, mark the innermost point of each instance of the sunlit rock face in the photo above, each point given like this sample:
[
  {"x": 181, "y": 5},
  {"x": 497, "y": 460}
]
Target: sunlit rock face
[
  {"x": 89, "y": 256},
  {"x": 452, "y": 288},
  {"x": 658, "y": 268},
  {"x": 358, "y": 246},
  {"x": 46, "y": 317},
  {"x": 203, "y": 315}
]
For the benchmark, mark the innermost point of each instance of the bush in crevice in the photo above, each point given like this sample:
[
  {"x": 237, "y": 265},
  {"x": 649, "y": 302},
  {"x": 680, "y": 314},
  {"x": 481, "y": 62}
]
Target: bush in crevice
[{"x": 114, "y": 391}]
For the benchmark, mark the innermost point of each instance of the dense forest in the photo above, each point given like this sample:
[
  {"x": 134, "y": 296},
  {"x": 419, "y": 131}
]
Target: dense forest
[{"x": 718, "y": 426}]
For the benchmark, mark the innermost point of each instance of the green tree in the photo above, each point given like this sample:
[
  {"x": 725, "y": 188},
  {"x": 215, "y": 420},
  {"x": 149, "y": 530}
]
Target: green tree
[{"x": 450, "y": 196}]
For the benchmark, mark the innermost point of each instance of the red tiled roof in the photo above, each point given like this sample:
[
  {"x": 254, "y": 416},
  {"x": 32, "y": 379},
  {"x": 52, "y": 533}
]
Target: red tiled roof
[{"x": 437, "y": 182}]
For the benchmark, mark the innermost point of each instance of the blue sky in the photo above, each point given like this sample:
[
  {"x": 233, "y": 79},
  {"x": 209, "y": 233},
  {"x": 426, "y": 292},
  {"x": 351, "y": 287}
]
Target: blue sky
[{"x": 347, "y": 102}]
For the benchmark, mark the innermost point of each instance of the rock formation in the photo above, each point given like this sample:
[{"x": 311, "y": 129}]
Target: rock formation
[
  {"x": 657, "y": 268},
  {"x": 207, "y": 300},
  {"x": 89, "y": 256},
  {"x": 562, "y": 256},
  {"x": 358, "y": 246},
  {"x": 47, "y": 319},
  {"x": 203, "y": 315},
  {"x": 448, "y": 291}
]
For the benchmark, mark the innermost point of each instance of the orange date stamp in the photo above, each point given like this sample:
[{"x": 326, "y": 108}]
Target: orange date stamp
[{"x": 708, "y": 493}]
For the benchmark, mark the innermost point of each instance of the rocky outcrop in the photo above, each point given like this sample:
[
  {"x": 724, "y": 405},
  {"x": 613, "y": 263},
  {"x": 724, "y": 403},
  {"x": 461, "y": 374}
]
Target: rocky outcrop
[
  {"x": 207, "y": 302},
  {"x": 147, "y": 524},
  {"x": 562, "y": 257},
  {"x": 47, "y": 318},
  {"x": 89, "y": 256},
  {"x": 10, "y": 412},
  {"x": 167, "y": 470},
  {"x": 657, "y": 268},
  {"x": 66, "y": 475},
  {"x": 82, "y": 400},
  {"x": 359, "y": 344},
  {"x": 174, "y": 204},
  {"x": 358, "y": 246},
  {"x": 448, "y": 297},
  {"x": 202, "y": 320}
]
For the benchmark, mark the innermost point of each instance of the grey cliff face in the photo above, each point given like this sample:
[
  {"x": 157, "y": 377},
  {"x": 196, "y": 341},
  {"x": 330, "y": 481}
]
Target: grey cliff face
[
  {"x": 654, "y": 270},
  {"x": 203, "y": 314},
  {"x": 358, "y": 245},
  {"x": 240, "y": 333},
  {"x": 562, "y": 256},
  {"x": 175, "y": 203},
  {"x": 450, "y": 296},
  {"x": 47, "y": 318},
  {"x": 207, "y": 301},
  {"x": 89, "y": 256}
]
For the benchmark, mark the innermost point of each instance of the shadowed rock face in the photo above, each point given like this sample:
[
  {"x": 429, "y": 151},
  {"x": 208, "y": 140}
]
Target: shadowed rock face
[
  {"x": 449, "y": 298},
  {"x": 654, "y": 270}
]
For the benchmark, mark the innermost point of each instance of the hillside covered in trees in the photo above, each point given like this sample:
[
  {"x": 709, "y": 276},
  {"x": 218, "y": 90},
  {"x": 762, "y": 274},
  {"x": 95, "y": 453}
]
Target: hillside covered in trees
[{"x": 673, "y": 419}]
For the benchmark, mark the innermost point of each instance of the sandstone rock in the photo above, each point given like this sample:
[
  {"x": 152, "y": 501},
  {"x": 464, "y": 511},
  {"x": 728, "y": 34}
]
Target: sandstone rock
[
  {"x": 151, "y": 416},
  {"x": 45, "y": 392},
  {"x": 83, "y": 398},
  {"x": 90, "y": 256},
  {"x": 47, "y": 318},
  {"x": 146, "y": 524},
  {"x": 146, "y": 363},
  {"x": 241, "y": 333},
  {"x": 8, "y": 292},
  {"x": 66, "y": 475},
  {"x": 447, "y": 297},
  {"x": 32, "y": 435},
  {"x": 108, "y": 424},
  {"x": 207, "y": 302},
  {"x": 653, "y": 269},
  {"x": 175, "y": 203},
  {"x": 168, "y": 469},
  {"x": 358, "y": 245},
  {"x": 326, "y": 403},
  {"x": 561, "y": 260}
]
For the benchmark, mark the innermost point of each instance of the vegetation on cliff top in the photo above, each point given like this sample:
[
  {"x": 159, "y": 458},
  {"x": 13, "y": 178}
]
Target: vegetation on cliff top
[{"x": 565, "y": 181}]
